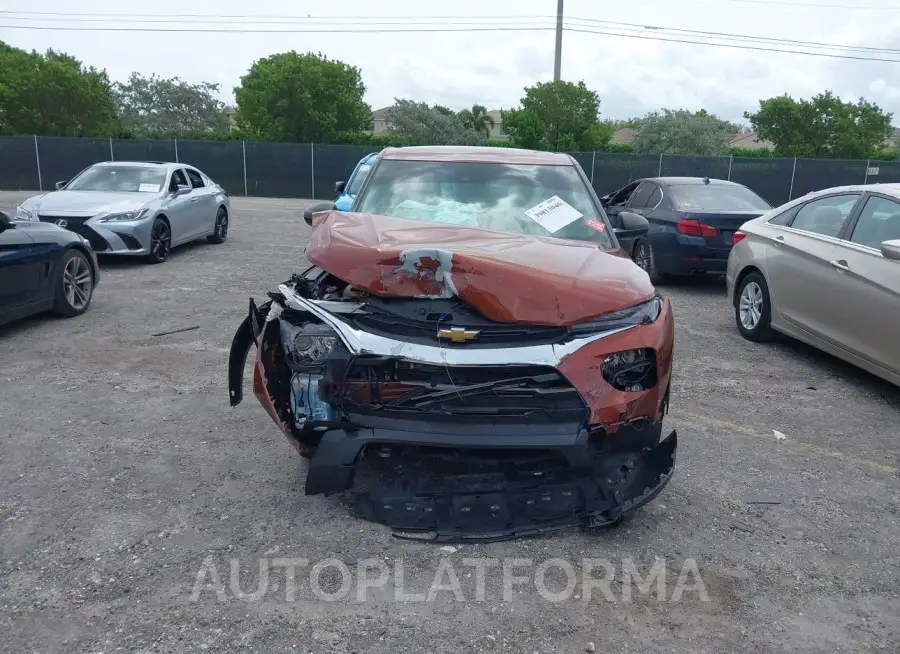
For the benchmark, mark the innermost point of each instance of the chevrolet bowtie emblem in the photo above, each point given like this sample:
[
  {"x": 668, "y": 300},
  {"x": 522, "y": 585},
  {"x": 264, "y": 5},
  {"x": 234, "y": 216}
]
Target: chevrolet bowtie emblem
[{"x": 458, "y": 334}]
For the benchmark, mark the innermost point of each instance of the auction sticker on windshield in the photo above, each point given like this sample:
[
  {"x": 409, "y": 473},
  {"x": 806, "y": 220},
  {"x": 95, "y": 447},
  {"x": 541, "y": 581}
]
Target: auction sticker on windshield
[
  {"x": 148, "y": 188},
  {"x": 553, "y": 214}
]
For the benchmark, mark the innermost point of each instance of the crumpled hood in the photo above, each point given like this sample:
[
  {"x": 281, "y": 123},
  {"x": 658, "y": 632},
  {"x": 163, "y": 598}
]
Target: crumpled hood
[
  {"x": 506, "y": 277},
  {"x": 86, "y": 203}
]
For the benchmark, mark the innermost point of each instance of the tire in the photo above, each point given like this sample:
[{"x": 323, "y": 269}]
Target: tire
[
  {"x": 160, "y": 241},
  {"x": 753, "y": 309},
  {"x": 74, "y": 285},
  {"x": 645, "y": 258},
  {"x": 220, "y": 231}
]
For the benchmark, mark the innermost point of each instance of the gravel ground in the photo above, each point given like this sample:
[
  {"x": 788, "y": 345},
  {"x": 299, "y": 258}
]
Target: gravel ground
[{"x": 125, "y": 478}]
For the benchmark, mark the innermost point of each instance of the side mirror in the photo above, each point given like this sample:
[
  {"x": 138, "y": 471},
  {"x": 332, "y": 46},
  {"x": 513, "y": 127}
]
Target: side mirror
[
  {"x": 5, "y": 222},
  {"x": 61, "y": 185},
  {"x": 316, "y": 208},
  {"x": 633, "y": 225},
  {"x": 339, "y": 187},
  {"x": 182, "y": 190},
  {"x": 891, "y": 250}
]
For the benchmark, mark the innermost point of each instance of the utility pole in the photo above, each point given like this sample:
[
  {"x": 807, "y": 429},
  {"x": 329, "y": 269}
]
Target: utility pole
[{"x": 557, "y": 61}]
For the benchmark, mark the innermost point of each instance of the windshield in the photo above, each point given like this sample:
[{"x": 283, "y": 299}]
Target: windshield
[
  {"x": 120, "y": 179},
  {"x": 716, "y": 197},
  {"x": 356, "y": 183},
  {"x": 537, "y": 200}
]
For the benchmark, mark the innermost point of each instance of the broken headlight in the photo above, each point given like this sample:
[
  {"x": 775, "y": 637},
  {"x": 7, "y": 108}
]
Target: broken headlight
[
  {"x": 309, "y": 344},
  {"x": 640, "y": 314},
  {"x": 631, "y": 370}
]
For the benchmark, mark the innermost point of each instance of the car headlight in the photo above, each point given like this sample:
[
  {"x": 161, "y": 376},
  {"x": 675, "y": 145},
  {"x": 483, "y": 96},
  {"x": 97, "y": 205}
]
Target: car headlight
[
  {"x": 631, "y": 370},
  {"x": 310, "y": 344},
  {"x": 123, "y": 216},
  {"x": 640, "y": 314},
  {"x": 24, "y": 214}
]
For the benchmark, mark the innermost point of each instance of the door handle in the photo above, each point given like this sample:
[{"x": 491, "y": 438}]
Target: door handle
[
  {"x": 840, "y": 264},
  {"x": 194, "y": 199},
  {"x": 779, "y": 240}
]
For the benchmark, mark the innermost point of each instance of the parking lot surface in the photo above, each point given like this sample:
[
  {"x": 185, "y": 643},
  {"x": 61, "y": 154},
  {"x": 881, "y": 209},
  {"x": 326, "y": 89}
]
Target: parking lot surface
[{"x": 125, "y": 477}]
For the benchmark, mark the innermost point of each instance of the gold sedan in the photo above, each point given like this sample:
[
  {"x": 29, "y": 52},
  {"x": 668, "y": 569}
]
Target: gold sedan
[{"x": 825, "y": 269}]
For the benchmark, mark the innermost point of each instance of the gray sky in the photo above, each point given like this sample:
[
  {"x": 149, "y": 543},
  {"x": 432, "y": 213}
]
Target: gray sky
[{"x": 632, "y": 76}]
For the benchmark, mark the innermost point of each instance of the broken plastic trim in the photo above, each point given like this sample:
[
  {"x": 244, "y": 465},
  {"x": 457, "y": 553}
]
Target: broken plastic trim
[
  {"x": 361, "y": 342},
  {"x": 493, "y": 506}
]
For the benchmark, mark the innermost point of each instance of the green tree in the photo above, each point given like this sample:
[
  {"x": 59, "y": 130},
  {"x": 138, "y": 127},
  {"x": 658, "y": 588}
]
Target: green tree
[
  {"x": 557, "y": 116},
  {"x": 478, "y": 119},
  {"x": 301, "y": 97},
  {"x": 681, "y": 131},
  {"x": 417, "y": 123},
  {"x": 171, "y": 107},
  {"x": 823, "y": 126},
  {"x": 53, "y": 94}
]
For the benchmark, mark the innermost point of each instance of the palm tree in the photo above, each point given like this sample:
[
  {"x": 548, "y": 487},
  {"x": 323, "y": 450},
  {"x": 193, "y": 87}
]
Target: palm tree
[{"x": 478, "y": 119}]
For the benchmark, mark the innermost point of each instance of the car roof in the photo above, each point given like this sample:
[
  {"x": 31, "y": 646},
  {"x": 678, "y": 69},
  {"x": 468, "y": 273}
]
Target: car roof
[
  {"x": 167, "y": 165},
  {"x": 476, "y": 154},
  {"x": 693, "y": 181},
  {"x": 886, "y": 189}
]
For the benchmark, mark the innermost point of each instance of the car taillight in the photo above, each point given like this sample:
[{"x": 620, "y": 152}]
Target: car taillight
[
  {"x": 737, "y": 238},
  {"x": 693, "y": 227}
]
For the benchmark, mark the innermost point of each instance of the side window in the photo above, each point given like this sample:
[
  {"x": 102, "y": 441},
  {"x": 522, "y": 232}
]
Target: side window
[
  {"x": 622, "y": 196},
  {"x": 785, "y": 217},
  {"x": 641, "y": 195},
  {"x": 178, "y": 179},
  {"x": 194, "y": 176},
  {"x": 654, "y": 198},
  {"x": 825, "y": 216},
  {"x": 879, "y": 221}
]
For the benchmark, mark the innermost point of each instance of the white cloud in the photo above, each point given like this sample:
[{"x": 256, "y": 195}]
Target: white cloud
[{"x": 457, "y": 69}]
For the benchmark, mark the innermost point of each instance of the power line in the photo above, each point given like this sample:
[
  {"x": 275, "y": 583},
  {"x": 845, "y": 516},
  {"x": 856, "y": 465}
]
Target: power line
[
  {"x": 417, "y": 28},
  {"x": 737, "y": 46},
  {"x": 443, "y": 21}
]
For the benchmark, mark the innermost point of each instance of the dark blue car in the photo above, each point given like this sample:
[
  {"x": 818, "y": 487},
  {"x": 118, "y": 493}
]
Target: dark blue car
[
  {"x": 692, "y": 222},
  {"x": 346, "y": 191}
]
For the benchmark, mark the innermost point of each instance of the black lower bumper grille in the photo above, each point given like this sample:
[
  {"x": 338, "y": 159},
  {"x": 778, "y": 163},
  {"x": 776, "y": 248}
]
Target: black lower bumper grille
[
  {"x": 77, "y": 225},
  {"x": 507, "y": 394}
]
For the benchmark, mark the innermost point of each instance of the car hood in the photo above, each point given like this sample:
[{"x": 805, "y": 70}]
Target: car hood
[
  {"x": 35, "y": 228},
  {"x": 86, "y": 203},
  {"x": 506, "y": 277}
]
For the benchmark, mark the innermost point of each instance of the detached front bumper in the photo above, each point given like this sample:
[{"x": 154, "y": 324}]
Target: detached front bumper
[{"x": 591, "y": 458}]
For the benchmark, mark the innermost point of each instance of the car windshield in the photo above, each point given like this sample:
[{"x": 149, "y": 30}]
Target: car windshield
[
  {"x": 538, "y": 200},
  {"x": 716, "y": 197},
  {"x": 120, "y": 179},
  {"x": 356, "y": 183}
]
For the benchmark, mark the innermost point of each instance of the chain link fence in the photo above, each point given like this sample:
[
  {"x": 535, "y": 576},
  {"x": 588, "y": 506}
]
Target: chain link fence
[{"x": 303, "y": 170}]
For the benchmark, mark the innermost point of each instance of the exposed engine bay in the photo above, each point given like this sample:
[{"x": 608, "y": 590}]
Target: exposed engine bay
[{"x": 531, "y": 427}]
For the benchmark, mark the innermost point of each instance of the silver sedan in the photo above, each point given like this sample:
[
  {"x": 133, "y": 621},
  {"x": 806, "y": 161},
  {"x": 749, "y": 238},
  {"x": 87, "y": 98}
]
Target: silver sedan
[
  {"x": 825, "y": 269},
  {"x": 135, "y": 208}
]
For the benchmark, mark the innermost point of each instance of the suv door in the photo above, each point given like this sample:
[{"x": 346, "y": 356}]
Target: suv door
[
  {"x": 867, "y": 286},
  {"x": 799, "y": 264}
]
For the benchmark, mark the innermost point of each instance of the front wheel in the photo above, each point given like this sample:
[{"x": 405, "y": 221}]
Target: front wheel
[
  {"x": 74, "y": 285},
  {"x": 160, "y": 241},
  {"x": 753, "y": 308},
  {"x": 220, "y": 231}
]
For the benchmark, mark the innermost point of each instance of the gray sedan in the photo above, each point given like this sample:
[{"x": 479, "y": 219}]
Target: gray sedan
[
  {"x": 135, "y": 208},
  {"x": 825, "y": 269}
]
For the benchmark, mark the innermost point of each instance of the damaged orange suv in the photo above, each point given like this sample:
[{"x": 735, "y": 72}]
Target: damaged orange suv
[{"x": 474, "y": 306}]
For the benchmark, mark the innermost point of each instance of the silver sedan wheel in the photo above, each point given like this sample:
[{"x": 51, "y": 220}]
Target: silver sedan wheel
[
  {"x": 78, "y": 283},
  {"x": 751, "y": 306}
]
